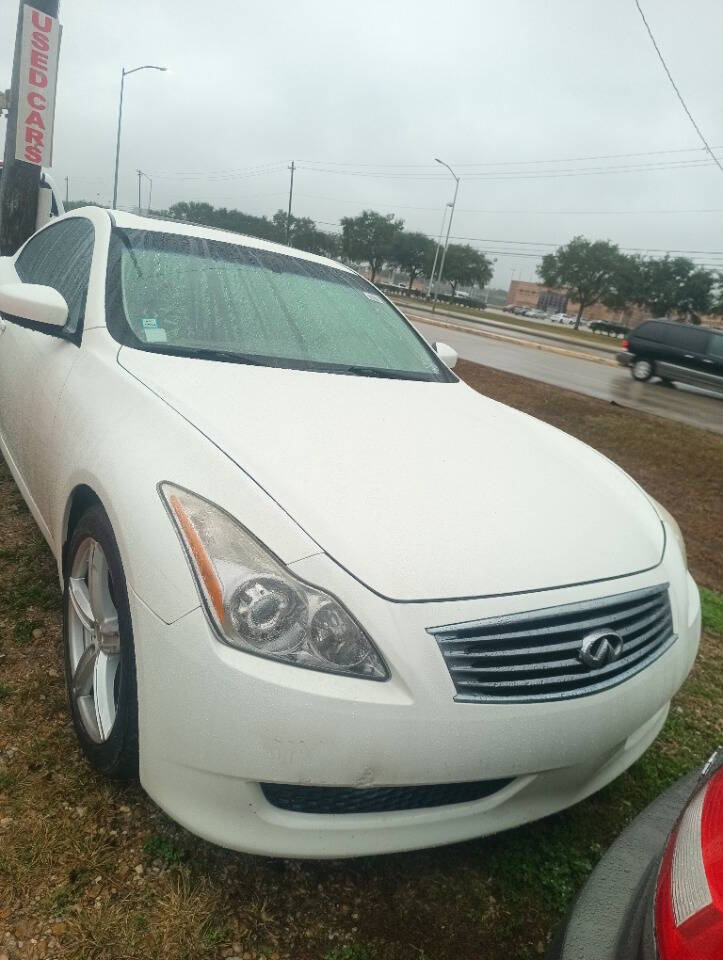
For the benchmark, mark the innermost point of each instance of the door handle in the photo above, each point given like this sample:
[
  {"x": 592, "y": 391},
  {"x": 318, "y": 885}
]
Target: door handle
[{"x": 688, "y": 356}]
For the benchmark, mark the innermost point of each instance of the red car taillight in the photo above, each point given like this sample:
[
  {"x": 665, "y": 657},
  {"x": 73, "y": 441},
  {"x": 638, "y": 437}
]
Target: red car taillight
[
  {"x": 689, "y": 897},
  {"x": 625, "y": 344}
]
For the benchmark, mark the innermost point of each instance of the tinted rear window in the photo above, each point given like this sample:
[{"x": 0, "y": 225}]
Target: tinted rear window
[
  {"x": 715, "y": 347},
  {"x": 674, "y": 335}
]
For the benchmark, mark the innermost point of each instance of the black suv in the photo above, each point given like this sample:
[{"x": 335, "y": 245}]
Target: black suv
[{"x": 675, "y": 351}]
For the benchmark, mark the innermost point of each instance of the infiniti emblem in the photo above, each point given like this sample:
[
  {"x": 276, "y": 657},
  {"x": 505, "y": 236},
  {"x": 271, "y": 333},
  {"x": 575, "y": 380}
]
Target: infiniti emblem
[{"x": 600, "y": 648}]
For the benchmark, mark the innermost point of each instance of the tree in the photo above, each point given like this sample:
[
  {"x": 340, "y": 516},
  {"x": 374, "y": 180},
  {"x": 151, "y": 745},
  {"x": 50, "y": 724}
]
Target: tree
[
  {"x": 464, "y": 265},
  {"x": 234, "y": 220},
  {"x": 717, "y": 304},
  {"x": 413, "y": 253},
  {"x": 370, "y": 238},
  {"x": 674, "y": 286},
  {"x": 587, "y": 271},
  {"x": 305, "y": 235}
]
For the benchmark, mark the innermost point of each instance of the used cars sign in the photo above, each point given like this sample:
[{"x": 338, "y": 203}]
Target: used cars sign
[{"x": 38, "y": 74}]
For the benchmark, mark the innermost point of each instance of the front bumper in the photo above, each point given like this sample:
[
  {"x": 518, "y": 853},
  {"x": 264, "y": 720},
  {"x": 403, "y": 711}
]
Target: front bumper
[{"x": 216, "y": 723}]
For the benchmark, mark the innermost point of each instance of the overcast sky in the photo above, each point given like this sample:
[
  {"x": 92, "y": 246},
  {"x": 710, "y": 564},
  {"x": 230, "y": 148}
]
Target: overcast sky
[{"x": 370, "y": 93}]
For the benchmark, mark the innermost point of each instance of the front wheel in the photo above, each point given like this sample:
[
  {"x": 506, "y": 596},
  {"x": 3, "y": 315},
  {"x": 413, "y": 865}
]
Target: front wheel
[
  {"x": 98, "y": 640},
  {"x": 642, "y": 370}
]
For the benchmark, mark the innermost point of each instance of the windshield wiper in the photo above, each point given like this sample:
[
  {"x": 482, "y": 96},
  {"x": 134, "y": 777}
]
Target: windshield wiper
[{"x": 385, "y": 374}]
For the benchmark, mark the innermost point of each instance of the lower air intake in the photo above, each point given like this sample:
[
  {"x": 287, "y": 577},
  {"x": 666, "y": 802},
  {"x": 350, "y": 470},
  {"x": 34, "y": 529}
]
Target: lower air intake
[{"x": 303, "y": 799}]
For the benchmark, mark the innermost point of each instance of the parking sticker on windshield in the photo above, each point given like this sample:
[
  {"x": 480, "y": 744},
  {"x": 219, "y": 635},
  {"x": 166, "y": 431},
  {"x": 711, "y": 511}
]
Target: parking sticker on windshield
[
  {"x": 153, "y": 333},
  {"x": 373, "y": 296}
]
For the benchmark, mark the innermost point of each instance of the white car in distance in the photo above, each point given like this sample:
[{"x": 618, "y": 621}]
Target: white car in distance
[{"x": 325, "y": 598}]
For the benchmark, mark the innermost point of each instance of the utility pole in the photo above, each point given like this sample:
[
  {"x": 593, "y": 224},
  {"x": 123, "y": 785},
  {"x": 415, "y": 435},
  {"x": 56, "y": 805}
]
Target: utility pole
[
  {"x": 20, "y": 184},
  {"x": 139, "y": 190},
  {"x": 66, "y": 190},
  {"x": 288, "y": 215}
]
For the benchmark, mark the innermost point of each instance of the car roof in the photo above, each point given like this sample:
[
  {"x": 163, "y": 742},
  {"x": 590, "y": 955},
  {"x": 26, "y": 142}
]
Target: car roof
[
  {"x": 676, "y": 323},
  {"x": 133, "y": 221}
]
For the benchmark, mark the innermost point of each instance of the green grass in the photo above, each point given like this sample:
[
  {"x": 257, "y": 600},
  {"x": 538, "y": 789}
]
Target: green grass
[
  {"x": 352, "y": 951},
  {"x": 212, "y": 934},
  {"x": 161, "y": 847},
  {"x": 712, "y": 607},
  {"x": 23, "y": 630}
]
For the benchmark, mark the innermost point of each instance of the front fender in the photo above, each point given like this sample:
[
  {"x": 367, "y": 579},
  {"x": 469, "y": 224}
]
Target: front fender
[{"x": 121, "y": 448}]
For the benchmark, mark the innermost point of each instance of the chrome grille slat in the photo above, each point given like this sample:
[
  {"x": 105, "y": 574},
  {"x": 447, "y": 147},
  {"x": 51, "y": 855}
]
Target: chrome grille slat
[
  {"x": 571, "y": 669},
  {"x": 658, "y": 617},
  {"x": 553, "y": 629},
  {"x": 570, "y": 666},
  {"x": 534, "y": 655}
]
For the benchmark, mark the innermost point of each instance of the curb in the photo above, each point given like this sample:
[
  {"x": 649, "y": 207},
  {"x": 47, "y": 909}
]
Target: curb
[
  {"x": 543, "y": 333},
  {"x": 535, "y": 345}
]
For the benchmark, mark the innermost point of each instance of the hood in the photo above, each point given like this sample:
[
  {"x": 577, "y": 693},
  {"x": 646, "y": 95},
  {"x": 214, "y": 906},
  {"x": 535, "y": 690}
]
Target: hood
[{"x": 420, "y": 490}]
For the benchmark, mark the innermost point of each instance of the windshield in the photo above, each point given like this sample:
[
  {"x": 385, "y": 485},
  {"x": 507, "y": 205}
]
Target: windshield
[{"x": 178, "y": 294}]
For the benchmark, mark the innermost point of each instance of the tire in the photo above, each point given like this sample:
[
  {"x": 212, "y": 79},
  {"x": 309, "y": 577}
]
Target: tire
[
  {"x": 642, "y": 370},
  {"x": 100, "y": 669}
]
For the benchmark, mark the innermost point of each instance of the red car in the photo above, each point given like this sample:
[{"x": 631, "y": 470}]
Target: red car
[{"x": 657, "y": 894}]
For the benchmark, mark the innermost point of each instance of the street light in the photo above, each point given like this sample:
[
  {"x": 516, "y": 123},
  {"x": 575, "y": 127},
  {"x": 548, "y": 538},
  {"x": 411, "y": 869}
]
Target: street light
[
  {"x": 142, "y": 173},
  {"x": 126, "y": 73},
  {"x": 436, "y": 252},
  {"x": 449, "y": 227}
]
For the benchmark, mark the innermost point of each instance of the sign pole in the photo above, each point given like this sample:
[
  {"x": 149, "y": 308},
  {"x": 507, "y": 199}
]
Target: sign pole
[{"x": 20, "y": 183}]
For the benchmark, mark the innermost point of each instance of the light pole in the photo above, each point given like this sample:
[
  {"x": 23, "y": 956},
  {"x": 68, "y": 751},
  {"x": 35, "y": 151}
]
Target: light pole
[
  {"x": 125, "y": 73},
  {"x": 142, "y": 173},
  {"x": 436, "y": 252},
  {"x": 449, "y": 227}
]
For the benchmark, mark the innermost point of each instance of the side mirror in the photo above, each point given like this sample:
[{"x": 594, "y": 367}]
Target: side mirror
[
  {"x": 446, "y": 354},
  {"x": 34, "y": 302}
]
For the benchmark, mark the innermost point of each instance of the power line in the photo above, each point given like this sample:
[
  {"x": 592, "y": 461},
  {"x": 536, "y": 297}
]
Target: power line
[
  {"x": 511, "y": 163},
  {"x": 679, "y": 95},
  {"x": 548, "y": 243},
  {"x": 227, "y": 170},
  {"x": 401, "y": 206},
  {"x": 502, "y": 176}
]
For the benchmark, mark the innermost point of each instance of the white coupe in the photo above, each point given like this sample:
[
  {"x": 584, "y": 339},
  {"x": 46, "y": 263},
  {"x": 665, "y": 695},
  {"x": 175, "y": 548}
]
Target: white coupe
[{"x": 323, "y": 597}]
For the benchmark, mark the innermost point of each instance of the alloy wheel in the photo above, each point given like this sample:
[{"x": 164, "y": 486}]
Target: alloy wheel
[
  {"x": 94, "y": 641},
  {"x": 642, "y": 370}
]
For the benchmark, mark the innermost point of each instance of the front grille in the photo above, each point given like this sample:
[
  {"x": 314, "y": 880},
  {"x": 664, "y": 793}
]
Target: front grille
[
  {"x": 535, "y": 655},
  {"x": 303, "y": 799}
]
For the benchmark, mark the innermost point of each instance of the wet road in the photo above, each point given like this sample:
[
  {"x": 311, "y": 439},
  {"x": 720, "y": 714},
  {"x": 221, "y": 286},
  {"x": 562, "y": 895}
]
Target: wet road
[{"x": 602, "y": 380}]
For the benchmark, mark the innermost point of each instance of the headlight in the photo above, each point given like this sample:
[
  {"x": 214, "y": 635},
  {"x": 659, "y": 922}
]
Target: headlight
[
  {"x": 672, "y": 525},
  {"x": 257, "y": 605}
]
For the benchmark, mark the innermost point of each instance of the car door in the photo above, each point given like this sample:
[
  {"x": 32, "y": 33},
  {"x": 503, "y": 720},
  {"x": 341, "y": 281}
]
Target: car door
[
  {"x": 35, "y": 362},
  {"x": 714, "y": 359},
  {"x": 677, "y": 349},
  {"x": 694, "y": 352}
]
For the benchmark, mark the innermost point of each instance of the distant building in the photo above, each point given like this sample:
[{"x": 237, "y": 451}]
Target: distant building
[{"x": 536, "y": 295}]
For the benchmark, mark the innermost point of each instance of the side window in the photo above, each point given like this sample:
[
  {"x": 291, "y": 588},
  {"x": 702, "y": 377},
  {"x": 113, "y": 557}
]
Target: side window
[
  {"x": 676, "y": 335},
  {"x": 60, "y": 256},
  {"x": 715, "y": 347},
  {"x": 693, "y": 339}
]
